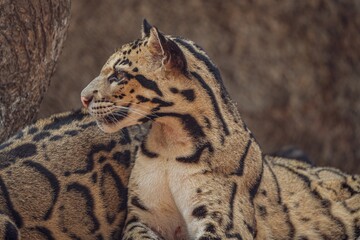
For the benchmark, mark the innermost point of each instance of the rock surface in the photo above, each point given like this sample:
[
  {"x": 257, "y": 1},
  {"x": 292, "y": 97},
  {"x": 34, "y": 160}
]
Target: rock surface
[{"x": 31, "y": 38}]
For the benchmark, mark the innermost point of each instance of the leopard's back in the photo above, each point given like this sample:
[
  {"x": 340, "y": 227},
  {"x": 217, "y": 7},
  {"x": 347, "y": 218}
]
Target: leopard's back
[
  {"x": 62, "y": 178},
  {"x": 311, "y": 202}
]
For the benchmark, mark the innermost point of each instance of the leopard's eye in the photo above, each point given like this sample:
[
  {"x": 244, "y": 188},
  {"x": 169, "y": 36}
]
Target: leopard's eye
[
  {"x": 117, "y": 76},
  {"x": 113, "y": 78}
]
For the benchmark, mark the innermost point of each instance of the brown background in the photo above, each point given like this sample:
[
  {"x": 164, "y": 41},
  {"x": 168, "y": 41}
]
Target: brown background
[{"x": 292, "y": 66}]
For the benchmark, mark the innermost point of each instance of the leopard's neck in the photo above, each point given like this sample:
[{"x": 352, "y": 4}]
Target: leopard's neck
[{"x": 206, "y": 134}]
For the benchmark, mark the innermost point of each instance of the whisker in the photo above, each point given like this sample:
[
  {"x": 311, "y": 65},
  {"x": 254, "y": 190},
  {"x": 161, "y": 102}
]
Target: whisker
[
  {"x": 138, "y": 111},
  {"x": 125, "y": 102},
  {"x": 129, "y": 116}
]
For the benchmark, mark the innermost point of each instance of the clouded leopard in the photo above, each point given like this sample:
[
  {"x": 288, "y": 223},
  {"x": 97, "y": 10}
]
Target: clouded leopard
[
  {"x": 62, "y": 178},
  {"x": 199, "y": 173}
]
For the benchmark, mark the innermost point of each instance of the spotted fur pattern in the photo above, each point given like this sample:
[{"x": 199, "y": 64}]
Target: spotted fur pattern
[
  {"x": 62, "y": 178},
  {"x": 200, "y": 174}
]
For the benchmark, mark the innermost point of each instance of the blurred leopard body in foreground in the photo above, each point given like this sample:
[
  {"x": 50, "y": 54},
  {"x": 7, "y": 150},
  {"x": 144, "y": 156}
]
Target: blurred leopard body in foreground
[
  {"x": 199, "y": 173},
  {"x": 62, "y": 178}
]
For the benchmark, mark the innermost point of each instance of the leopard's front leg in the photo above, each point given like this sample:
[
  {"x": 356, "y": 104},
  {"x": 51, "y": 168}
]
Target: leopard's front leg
[
  {"x": 152, "y": 214},
  {"x": 189, "y": 206},
  {"x": 217, "y": 208},
  {"x": 135, "y": 229}
]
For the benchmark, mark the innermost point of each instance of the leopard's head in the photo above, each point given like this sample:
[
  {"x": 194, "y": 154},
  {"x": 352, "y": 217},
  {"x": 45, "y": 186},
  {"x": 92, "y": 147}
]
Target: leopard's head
[{"x": 143, "y": 79}]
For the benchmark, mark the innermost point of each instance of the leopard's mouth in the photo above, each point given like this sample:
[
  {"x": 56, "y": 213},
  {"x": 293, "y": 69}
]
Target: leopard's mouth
[
  {"x": 115, "y": 117},
  {"x": 112, "y": 116}
]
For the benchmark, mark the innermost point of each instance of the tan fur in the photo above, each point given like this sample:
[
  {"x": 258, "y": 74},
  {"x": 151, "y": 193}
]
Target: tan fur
[
  {"x": 62, "y": 178},
  {"x": 200, "y": 173}
]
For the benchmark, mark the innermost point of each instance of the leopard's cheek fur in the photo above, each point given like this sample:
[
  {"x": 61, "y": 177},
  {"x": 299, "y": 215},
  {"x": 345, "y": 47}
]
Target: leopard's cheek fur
[
  {"x": 134, "y": 99},
  {"x": 126, "y": 92}
]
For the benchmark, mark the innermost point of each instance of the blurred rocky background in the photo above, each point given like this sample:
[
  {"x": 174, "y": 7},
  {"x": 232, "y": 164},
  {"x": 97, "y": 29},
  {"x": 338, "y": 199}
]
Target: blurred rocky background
[{"x": 293, "y": 67}]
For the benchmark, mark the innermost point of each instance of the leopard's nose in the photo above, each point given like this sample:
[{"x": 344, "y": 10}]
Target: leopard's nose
[{"x": 86, "y": 100}]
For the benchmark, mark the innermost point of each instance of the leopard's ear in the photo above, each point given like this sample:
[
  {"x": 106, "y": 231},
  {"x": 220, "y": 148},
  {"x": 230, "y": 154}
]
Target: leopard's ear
[
  {"x": 172, "y": 56},
  {"x": 157, "y": 42},
  {"x": 145, "y": 29}
]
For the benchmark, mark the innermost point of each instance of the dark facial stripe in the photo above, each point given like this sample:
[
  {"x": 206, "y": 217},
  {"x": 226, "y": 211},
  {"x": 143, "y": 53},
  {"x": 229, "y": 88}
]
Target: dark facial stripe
[
  {"x": 240, "y": 170},
  {"x": 149, "y": 84},
  {"x": 55, "y": 186},
  {"x": 124, "y": 62},
  {"x": 213, "y": 101},
  {"x": 161, "y": 102},
  {"x": 116, "y": 63},
  {"x": 142, "y": 98}
]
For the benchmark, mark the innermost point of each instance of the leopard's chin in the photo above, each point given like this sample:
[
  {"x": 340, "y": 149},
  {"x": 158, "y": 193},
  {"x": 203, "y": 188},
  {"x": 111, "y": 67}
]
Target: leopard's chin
[
  {"x": 114, "y": 126},
  {"x": 113, "y": 121},
  {"x": 107, "y": 128}
]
